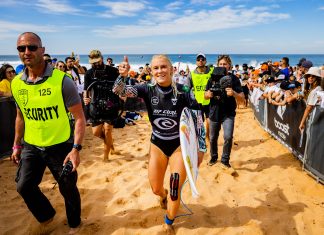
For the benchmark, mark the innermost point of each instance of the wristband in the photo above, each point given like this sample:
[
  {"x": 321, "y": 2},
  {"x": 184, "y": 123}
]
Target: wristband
[{"x": 17, "y": 147}]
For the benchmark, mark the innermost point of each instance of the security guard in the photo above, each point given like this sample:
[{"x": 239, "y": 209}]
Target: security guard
[
  {"x": 198, "y": 81},
  {"x": 43, "y": 134}
]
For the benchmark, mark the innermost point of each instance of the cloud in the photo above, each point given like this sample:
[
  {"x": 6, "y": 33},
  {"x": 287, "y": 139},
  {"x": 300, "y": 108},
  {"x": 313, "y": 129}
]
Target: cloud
[
  {"x": 197, "y": 22},
  {"x": 56, "y": 7},
  {"x": 321, "y": 8},
  {"x": 208, "y": 2},
  {"x": 219, "y": 2},
  {"x": 7, "y": 27},
  {"x": 161, "y": 17},
  {"x": 128, "y": 8},
  {"x": 174, "y": 5},
  {"x": 6, "y": 3}
]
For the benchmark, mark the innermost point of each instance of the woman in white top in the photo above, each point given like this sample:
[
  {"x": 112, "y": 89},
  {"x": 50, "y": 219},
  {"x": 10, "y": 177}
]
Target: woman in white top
[{"x": 312, "y": 85}]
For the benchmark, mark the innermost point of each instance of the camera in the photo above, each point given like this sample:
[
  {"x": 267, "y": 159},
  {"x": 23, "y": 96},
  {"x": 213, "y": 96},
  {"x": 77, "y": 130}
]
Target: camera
[
  {"x": 105, "y": 104},
  {"x": 216, "y": 87}
]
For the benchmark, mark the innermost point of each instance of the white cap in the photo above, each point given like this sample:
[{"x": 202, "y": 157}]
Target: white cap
[{"x": 201, "y": 55}]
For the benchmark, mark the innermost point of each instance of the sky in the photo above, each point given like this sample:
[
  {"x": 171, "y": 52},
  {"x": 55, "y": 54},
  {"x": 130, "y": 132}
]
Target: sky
[{"x": 170, "y": 27}]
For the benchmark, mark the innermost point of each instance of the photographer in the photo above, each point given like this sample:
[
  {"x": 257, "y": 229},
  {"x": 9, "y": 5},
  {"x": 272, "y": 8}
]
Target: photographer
[
  {"x": 101, "y": 102},
  {"x": 222, "y": 91}
]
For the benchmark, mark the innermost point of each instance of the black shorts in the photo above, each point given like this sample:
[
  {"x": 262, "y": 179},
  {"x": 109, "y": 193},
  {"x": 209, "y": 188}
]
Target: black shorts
[
  {"x": 167, "y": 146},
  {"x": 97, "y": 123}
]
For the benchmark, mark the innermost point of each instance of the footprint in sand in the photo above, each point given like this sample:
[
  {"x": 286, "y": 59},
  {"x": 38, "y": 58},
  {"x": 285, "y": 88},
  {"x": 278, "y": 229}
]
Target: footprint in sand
[
  {"x": 121, "y": 201},
  {"x": 115, "y": 152},
  {"x": 119, "y": 163},
  {"x": 136, "y": 193},
  {"x": 91, "y": 228},
  {"x": 117, "y": 173},
  {"x": 85, "y": 176},
  {"x": 143, "y": 223}
]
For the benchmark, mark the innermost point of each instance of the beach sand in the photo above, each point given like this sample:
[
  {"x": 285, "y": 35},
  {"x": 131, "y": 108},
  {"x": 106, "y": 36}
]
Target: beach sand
[{"x": 267, "y": 193}]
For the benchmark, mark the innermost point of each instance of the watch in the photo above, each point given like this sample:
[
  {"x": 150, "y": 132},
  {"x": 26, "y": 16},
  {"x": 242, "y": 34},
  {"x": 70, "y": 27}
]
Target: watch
[{"x": 77, "y": 147}]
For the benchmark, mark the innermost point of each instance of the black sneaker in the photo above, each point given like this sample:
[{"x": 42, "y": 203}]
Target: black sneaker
[
  {"x": 212, "y": 162},
  {"x": 226, "y": 165}
]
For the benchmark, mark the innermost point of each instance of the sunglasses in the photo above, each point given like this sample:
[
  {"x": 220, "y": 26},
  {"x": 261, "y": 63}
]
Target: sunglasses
[
  {"x": 30, "y": 48},
  {"x": 10, "y": 71},
  {"x": 201, "y": 59}
]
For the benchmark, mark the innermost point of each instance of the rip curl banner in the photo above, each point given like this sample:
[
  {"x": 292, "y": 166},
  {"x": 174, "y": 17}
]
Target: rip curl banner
[
  {"x": 314, "y": 155},
  {"x": 283, "y": 123}
]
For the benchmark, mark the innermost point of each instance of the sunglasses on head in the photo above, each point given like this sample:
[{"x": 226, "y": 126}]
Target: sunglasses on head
[
  {"x": 30, "y": 48},
  {"x": 223, "y": 56}
]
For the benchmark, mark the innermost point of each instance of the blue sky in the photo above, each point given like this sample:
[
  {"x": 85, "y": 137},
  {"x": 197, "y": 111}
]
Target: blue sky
[{"x": 179, "y": 27}]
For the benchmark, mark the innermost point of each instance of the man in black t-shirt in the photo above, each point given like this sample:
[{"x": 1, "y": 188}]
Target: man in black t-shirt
[
  {"x": 222, "y": 110},
  {"x": 101, "y": 123}
]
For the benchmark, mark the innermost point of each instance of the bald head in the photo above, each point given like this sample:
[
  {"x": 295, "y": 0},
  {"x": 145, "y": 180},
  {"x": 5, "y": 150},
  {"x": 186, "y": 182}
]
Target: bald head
[
  {"x": 31, "y": 35},
  {"x": 30, "y": 50}
]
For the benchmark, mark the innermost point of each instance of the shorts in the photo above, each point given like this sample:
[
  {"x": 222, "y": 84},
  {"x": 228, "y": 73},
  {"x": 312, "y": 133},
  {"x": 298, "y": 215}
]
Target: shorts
[
  {"x": 97, "y": 123},
  {"x": 167, "y": 146}
]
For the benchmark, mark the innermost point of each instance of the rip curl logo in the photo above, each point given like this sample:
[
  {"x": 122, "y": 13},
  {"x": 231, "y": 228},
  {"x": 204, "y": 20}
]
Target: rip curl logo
[
  {"x": 165, "y": 123},
  {"x": 154, "y": 100},
  {"x": 23, "y": 96},
  {"x": 280, "y": 111}
]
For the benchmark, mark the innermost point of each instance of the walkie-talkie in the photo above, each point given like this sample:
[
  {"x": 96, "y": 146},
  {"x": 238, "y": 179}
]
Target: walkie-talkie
[{"x": 67, "y": 169}]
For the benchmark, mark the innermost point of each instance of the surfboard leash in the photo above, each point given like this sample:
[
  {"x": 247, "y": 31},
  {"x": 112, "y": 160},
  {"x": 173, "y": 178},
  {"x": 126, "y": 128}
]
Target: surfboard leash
[{"x": 184, "y": 205}]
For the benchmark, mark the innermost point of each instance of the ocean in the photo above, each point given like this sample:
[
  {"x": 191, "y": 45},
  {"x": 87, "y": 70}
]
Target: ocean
[{"x": 182, "y": 60}]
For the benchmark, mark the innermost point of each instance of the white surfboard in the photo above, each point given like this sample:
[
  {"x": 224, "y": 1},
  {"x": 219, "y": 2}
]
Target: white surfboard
[{"x": 189, "y": 147}]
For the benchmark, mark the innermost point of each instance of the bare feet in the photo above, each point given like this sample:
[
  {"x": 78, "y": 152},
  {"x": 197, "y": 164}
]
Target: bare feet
[
  {"x": 112, "y": 149},
  {"x": 169, "y": 229},
  {"x": 106, "y": 157},
  {"x": 42, "y": 228},
  {"x": 74, "y": 230},
  {"x": 164, "y": 200}
]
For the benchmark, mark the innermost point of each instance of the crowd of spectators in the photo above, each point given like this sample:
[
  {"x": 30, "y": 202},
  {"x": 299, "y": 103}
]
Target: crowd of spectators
[{"x": 278, "y": 82}]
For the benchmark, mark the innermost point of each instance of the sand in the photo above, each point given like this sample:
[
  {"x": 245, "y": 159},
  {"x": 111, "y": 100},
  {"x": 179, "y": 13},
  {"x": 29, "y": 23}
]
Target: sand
[{"x": 266, "y": 193}]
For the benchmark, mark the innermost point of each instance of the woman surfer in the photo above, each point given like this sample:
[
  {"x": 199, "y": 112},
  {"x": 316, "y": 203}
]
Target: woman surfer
[{"x": 164, "y": 101}]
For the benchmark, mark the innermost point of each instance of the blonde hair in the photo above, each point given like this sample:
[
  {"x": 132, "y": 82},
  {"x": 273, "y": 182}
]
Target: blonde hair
[{"x": 173, "y": 84}]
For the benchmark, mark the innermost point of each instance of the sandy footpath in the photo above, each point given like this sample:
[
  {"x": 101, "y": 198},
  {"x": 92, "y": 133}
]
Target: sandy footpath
[{"x": 267, "y": 193}]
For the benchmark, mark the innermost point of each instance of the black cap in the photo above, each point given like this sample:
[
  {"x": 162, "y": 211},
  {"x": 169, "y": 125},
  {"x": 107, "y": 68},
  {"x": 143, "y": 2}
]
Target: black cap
[
  {"x": 301, "y": 61},
  {"x": 270, "y": 79}
]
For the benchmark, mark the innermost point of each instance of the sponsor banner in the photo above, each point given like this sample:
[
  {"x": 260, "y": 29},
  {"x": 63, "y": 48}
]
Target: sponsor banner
[
  {"x": 315, "y": 145},
  {"x": 258, "y": 111},
  {"x": 283, "y": 122},
  {"x": 7, "y": 125}
]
